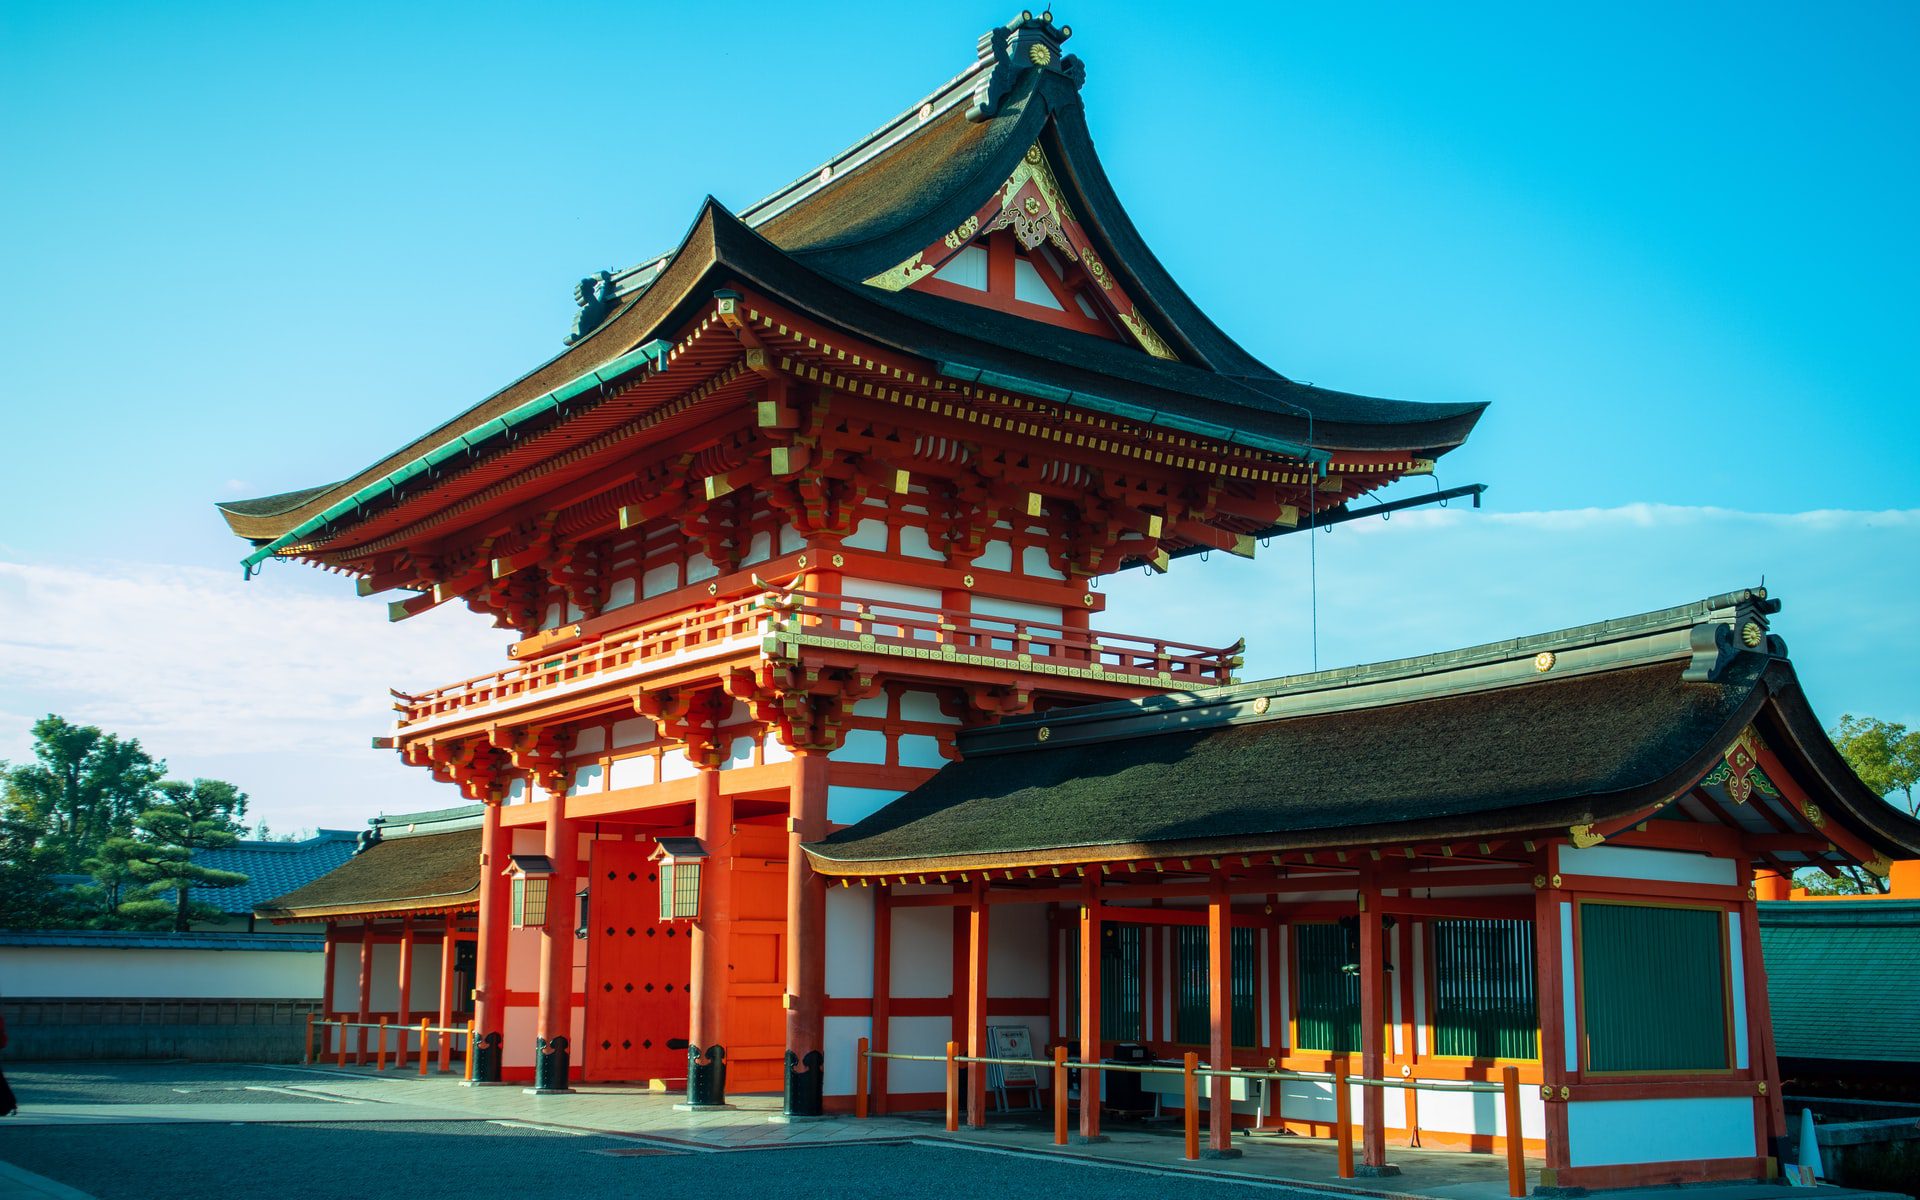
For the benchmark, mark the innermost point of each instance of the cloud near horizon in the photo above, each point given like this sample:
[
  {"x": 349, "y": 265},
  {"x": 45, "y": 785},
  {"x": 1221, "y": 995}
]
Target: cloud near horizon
[{"x": 278, "y": 684}]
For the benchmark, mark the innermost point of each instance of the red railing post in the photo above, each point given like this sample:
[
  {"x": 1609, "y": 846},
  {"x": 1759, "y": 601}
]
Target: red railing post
[
  {"x": 380, "y": 1055},
  {"x": 1516, "y": 1139},
  {"x": 1190, "y": 1093},
  {"x": 1342, "y": 1118},
  {"x": 860, "y": 1079},
  {"x": 953, "y": 1088},
  {"x": 423, "y": 1045},
  {"x": 341, "y": 1060},
  {"x": 1059, "y": 1095},
  {"x": 308, "y": 1060},
  {"x": 469, "y": 1072}
]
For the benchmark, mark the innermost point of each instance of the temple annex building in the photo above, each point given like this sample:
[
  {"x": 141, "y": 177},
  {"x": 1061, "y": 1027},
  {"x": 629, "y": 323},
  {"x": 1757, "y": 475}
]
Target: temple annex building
[{"x": 816, "y": 733}]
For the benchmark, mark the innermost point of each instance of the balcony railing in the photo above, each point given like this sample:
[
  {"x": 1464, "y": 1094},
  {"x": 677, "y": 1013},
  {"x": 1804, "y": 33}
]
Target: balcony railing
[{"x": 781, "y": 623}]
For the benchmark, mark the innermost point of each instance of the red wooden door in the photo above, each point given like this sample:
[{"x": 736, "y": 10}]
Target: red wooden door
[{"x": 638, "y": 970}]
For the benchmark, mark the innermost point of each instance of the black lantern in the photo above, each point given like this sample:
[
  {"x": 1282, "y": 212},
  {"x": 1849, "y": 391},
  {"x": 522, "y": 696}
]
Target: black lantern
[
  {"x": 531, "y": 874},
  {"x": 680, "y": 862}
]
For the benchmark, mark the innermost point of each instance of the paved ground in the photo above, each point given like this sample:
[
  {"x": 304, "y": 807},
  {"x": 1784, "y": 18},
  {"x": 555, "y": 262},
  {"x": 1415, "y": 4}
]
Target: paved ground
[{"x": 187, "y": 1132}]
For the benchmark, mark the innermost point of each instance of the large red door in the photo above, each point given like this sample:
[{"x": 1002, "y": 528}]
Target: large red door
[{"x": 638, "y": 970}]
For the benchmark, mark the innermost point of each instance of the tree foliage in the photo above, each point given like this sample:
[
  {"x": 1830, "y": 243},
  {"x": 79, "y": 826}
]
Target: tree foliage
[
  {"x": 95, "y": 804},
  {"x": 1884, "y": 754}
]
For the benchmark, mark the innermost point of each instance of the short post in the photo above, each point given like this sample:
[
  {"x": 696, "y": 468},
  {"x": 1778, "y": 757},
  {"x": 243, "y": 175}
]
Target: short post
[
  {"x": 380, "y": 1055},
  {"x": 860, "y": 1079},
  {"x": 953, "y": 1088},
  {"x": 1342, "y": 1118},
  {"x": 469, "y": 1074},
  {"x": 1190, "y": 1093},
  {"x": 308, "y": 1060},
  {"x": 341, "y": 1060},
  {"x": 1059, "y": 1095},
  {"x": 423, "y": 1045},
  {"x": 1516, "y": 1140}
]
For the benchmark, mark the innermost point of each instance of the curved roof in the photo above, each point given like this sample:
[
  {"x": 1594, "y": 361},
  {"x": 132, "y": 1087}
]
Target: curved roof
[
  {"x": 393, "y": 875},
  {"x": 1469, "y": 745},
  {"x": 875, "y": 205}
]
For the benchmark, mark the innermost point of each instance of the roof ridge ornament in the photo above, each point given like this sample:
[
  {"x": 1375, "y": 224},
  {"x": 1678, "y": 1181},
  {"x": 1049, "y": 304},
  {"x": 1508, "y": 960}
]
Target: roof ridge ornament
[
  {"x": 1716, "y": 644},
  {"x": 596, "y": 295},
  {"x": 1025, "y": 43}
]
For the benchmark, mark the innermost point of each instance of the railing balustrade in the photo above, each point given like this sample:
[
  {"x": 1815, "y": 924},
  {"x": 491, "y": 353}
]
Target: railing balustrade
[{"x": 879, "y": 626}]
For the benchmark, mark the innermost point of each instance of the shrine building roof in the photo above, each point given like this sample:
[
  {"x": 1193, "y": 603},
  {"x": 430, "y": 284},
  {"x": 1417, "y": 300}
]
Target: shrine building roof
[
  {"x": 846, "y": 244},
  {"x": 1626, "y": 720},
  {"x": 415, "y": 863}
]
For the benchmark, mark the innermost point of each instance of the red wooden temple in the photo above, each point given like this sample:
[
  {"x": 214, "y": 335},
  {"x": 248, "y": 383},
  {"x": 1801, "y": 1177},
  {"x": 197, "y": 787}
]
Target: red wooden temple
[{"x": 815, "y": 730}]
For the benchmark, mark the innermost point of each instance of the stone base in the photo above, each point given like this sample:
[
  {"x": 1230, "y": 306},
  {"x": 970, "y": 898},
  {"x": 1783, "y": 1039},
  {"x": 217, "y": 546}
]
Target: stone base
[
  {"x": 1081, "y": 1139},
  {"x": 685, "y": 1107},
  {"x": 1210, "y": 1152},
  {"x": 789, "y": 1119},
  {"x": 1383, "y": 1171},
  {"x": 484, "y": 1083},
  {"x": 538, "y": 1091}
]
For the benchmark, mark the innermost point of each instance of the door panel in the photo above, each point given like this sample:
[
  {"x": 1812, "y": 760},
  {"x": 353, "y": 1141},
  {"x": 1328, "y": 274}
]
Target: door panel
[{"x": 638, "y": 970}]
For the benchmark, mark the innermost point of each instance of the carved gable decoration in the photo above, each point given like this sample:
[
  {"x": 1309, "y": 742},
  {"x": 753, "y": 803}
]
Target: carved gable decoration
[
  {"x": 1738, "y": 775},
  {"x": 1062, "y": 271}
]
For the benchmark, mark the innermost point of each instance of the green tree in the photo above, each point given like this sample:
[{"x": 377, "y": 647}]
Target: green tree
[
  {"x": 1884, "y": 754},
  {"x": 146, "y": 879},
  {"x": 28, "y": 899},
  {"x": 83, "y": 787}
]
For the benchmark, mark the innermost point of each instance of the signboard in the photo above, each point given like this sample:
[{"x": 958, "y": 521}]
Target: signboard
[{"x": 1013, "y": 1041}]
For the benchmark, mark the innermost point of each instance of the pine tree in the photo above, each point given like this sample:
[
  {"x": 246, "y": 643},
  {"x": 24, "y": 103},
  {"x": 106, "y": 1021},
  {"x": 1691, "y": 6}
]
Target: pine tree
[{"x": 148, "y": 878}]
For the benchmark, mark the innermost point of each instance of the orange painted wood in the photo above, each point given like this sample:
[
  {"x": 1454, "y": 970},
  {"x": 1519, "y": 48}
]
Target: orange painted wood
[
  {"x": 638, "y": 969},
  {"x": 860, "y": 1061},
  {"x": 953, "y": 1088},
  {"x": 1372, "y": 1029},
  {"x": 710, "y": 934},
  {"x": 380, "y": 1056},
  {"x": 425, "y": 1025},
  {"x": 1190, "y": 1113},
  {"x": 1090, "y": 1046},
  {"x": 1220, "y": 1015},
  {"x": 1059, "y": 1095},
  {"x": 1516, "y": 1139},
  {"x": 448, "y": 952},
  {"x": 977, "y": 1046},
  {"x": 806, "y": 942},
  {"x": 882, "y": 1008},
  {"x": 490, "y": 942},
  {"x": 403, "y": 1015},
  {"x": 1343, "y": 1119},
  {"x": 365, "y": 1011},
  {"x": 555, "y": 1016}
]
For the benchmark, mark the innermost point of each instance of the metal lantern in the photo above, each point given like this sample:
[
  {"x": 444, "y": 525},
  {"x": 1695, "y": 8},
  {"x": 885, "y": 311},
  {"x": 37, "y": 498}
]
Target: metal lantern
[
  {"x": 680, "y": 862},
  {"x": 531, "y": 875}
]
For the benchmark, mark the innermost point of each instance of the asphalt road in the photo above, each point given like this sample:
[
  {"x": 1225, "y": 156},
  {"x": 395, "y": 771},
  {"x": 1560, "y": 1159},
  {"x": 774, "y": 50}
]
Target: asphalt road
[{"x": 457, "y": 1160}]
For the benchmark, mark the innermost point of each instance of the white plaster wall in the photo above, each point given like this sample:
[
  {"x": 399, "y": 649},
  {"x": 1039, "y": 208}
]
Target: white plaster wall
[
  {"x": 849, "y": 968},
  {"x": 517, "y": 1034},
  {"x": 920, "y": 750},
  {"x": 924, "y": 706},
  {"x": 1631, "y": 862},
  {"x": 921, "y": 963},
  {"x": 918, "y": 1035},
  {"x": 384, "y": 988},
  {"x": 75, "y": 972},
  {"x": 1017, "y": 953},
  {"x": 1312, "y": 1100},
  {"x": 1605, "y": 1133},
  {"x": 1481, "y": 1113},
  {"x": 423, "y": 994},
  {"x": 861, "y": 746},
  {"x": 839, "y": 1038},
  {"x": 523, "y": 960},
  {"x": 1738, "y": 962}
]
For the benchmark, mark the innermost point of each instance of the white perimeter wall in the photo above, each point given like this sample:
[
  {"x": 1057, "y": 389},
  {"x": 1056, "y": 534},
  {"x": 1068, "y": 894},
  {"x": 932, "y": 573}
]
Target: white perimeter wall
[{"x": 75, "y": 972}]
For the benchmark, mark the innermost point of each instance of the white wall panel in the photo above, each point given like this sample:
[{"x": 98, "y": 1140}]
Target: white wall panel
[
  {"x": 921, "y": 963},
  {"x": 1631, "y": 862},
  {"x": 1017, "y": 951},
  {"x": 849, "y": 968},
  {"x": 1606, "y": 1133}
]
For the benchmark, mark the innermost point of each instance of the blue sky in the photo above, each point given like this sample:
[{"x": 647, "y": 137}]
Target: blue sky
[{"x": 254, "y": 247}]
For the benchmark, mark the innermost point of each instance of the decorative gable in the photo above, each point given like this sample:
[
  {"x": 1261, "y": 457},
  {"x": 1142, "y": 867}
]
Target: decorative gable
[{"x": 1024, "y": 251}]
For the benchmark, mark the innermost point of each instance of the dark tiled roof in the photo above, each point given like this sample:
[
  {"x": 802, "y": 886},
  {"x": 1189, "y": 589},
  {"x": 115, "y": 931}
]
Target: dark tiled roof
[
  {"x": 1843, "y": 978},
  {"x": 395, "y": 874},
  {"x": 1532, "y": 734},
  {"x": 272, "y": 868},
  {"x": 116, "y": 939}
]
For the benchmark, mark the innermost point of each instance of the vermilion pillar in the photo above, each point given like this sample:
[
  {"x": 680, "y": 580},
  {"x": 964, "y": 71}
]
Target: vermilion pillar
[
  {"x": 882, "y": 992},
  {"x": 553, "y": 1049},
  {"x": 402, "y": 1011},
  {"x": 490, "y": 947},
  {"x": 1373, "y": 1125},
  {"x": 1090, "y": 1012},
  {"x": 365, "y": 1013},
  {"x": 326, "y": 980},
  {"x": 706, "y": 1052},
  {"x": 806, "y": 936},
  {"x": 1220, "y": 1003},
  {"x": 977, "y": 1005},
  {"x": 445, "y": 1015},
  {"x": 1547, "y": 941}
]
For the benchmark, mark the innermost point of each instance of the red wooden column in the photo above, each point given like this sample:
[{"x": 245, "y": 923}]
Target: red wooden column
[
  {"x": 1762, "y": 1059},
  {"x": 1547, "y": 989},
  {"x": 1090, "y": 1011},
  {"x": 882, "y": 991},
  {"x": 402, "y": 1010},
  {"x": 365, "y": 1012},
  {"x": 1220, "y": 1005},
  {"x": 490, "y": 946},
  {"x": 326, "y": 982},
  {"x": 713, "y": 826},
  {"x": 977, "y": 1046},
  {"x": 553, "y": 1052},
  {"x": 1373, "y": 1124},
  {"x": 448, "y": 946},
  {"x": 806, "y": 933}
]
